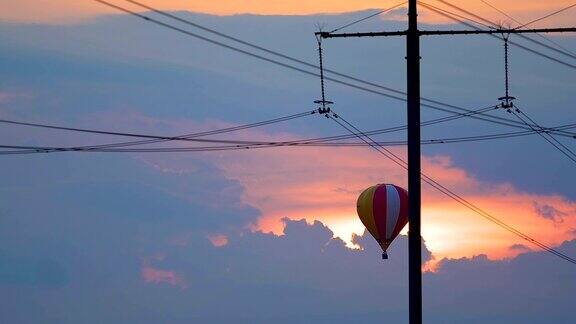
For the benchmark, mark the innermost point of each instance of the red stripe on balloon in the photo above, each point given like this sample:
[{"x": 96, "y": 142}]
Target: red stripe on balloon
[
  {"x": 403, "y": 217},
  {"x": 379, "y": 206}
]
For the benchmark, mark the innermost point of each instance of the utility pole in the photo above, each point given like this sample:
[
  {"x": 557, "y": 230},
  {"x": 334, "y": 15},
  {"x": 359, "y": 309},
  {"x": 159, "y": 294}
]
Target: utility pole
[
  {"x": 413, "y": 35},
  {"x": 414, "y": 168}
]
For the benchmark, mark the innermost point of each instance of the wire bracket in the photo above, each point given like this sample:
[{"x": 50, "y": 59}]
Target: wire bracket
[
  {"x": 507, "y": 101},
  {"x": 324, "y": 108}
]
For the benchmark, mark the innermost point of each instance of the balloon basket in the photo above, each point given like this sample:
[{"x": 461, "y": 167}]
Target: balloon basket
[{"x": 384, "y": 256}]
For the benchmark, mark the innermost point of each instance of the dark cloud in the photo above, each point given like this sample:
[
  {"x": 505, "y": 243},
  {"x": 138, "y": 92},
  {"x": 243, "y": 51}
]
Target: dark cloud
[
  {"x": 520, "y": 248},
  {"x": 124, "y": 189},
  {"x": 303, "y": 276},
  {"x": 549, "y": 212}
]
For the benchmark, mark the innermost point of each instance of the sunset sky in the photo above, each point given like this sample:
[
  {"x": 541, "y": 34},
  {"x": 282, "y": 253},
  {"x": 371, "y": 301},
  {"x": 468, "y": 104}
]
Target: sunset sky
[
  {"x": 58, "y": 11},
  {"x": 171, "y": 237}
]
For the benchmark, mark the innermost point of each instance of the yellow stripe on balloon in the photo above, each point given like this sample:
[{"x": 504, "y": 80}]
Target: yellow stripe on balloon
[{"x": 366, "y": 211}]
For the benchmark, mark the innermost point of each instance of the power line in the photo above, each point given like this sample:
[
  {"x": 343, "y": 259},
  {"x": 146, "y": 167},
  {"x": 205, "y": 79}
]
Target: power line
[
  {"x": 247, "y": 144},
  {"x": 494, "y": 25},
  {"x": 249, "y": 44},
  {"x": 549, "y": 138},
  {"x": 399, "y": 161},
  {"x": 193, "y": 137},
  {"x": 190, "y": 137},
  {"x": 493, "y": 119},
  {"x": 500, "y": 11},
  {"x": 367, "y": 17},
  {"x": 449, "y": 15},
  {"x": 241, "y": 145},
  {"x": 547, "y": 16},
  {"x": 438, "y": 108},
  {"x": 489, "y": 26},
  {"x": 155, "y": 138},
  {"x": 540, "y": 128},
  {"x": 548, "y": 39}
]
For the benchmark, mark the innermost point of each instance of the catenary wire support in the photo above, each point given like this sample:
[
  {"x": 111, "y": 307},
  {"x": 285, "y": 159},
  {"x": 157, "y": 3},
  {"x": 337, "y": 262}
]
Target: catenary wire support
[
  {"x": 324, "y": 108},
  {"x": 506, "y": 102}
]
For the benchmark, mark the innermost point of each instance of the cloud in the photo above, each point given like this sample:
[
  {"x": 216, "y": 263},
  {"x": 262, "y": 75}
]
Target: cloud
[
  {"x": 327, "y": 191},
  {"x": 158, "y": 276},
  {"x": 549, "y": 212},
  {"x": 304, "y": 274},
  {"x": 520, "y": 248},
  {"x": 11, "y": 95},
  {"x": 67, "y": 11},
  {"x": 218, "y": 240},
  {"x": 301, "y": 190},
  {"x": 109, "y": 237}
]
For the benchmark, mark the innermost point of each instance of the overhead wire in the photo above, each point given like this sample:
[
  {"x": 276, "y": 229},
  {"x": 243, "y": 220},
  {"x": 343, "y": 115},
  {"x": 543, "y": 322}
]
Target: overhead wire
[
  {"x": 191, "y": 137},
  {"x": 500, "y": 11},
  {"x": 548, "y": 39},
  {"x": 447, "y": 14},
  {"x": 155, "y": 138},
  {"x": 265, "y": 144},
  {"x": 549, "y": 138},
  {"x": 368, "y": 17},
  {"x": 271, "y": 144},
  {"x": 430, "y": 102},
  {"x": 233, "y": 144},
  {"x": 477, "y": 21},
  {"x": 494, "y": 25},
  {"x": 547, "y": 16},
  {"x": 430, "y": 181},
  {"x": 164, "y": 139},
  {"x": 249, "y": 44},
  {"x": 331, "y": 141}
]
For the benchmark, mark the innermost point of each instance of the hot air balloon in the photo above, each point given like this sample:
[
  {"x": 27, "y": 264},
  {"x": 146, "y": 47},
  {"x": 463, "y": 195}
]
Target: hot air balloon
[{"x": 383, "y": 209}]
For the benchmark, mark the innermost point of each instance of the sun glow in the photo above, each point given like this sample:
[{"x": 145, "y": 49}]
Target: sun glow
[
  {"x": 66, "y": 11},
  {"x": 281, "y": 183},
  {"x": 449, "y": 229}
]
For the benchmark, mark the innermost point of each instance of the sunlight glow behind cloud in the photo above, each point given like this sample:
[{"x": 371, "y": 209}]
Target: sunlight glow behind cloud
[
  {"x": 287, "y": 184},
  {"x": 65, "y": 11},
  {"x": 324, "y": 183}
]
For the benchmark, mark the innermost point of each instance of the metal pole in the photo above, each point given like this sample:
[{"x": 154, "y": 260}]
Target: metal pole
[{"x": 414, "y": 237}]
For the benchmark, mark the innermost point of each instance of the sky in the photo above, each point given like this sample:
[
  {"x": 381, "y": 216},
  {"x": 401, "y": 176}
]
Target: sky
[
  {"x": 57, "y": 11},
  {"x": 271, "y": 234}
]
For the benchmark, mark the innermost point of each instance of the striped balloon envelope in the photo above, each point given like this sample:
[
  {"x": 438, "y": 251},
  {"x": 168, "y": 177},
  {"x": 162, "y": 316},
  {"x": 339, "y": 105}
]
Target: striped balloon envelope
[{"x": 383, "y": 209}]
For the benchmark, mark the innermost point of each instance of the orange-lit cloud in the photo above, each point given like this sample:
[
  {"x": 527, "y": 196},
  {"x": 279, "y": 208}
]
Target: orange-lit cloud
[
  {"x": 323, "y": 184},
  {"x": 158, "y": 276},
  {"x": 218, "y": 240},
  {"x": 153, "y": 275},
  {"x": 58, "y": 11}
]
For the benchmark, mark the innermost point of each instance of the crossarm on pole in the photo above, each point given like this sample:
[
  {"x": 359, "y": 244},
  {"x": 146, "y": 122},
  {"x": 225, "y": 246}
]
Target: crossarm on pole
[{"x": 449, "y": 32}]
